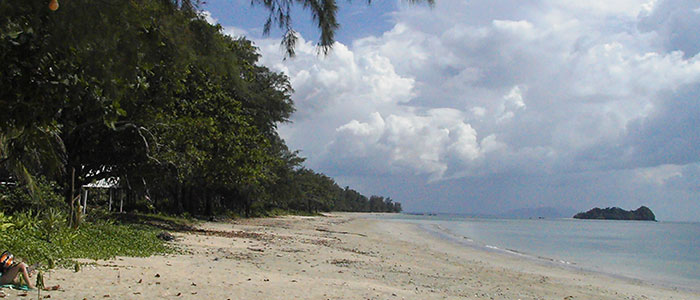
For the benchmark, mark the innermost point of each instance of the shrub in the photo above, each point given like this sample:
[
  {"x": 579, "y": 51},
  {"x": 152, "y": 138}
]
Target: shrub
[
  {"x": 16, "y": 198},
  {"x": 45, "y": 238}
]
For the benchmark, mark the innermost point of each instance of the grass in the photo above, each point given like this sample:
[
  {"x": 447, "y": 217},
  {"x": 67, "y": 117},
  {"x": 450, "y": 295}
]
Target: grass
[
  {"x": 34, "y": 242},
  {"x": 38, "y": 232},
  {"x": 47, "y": 239}
]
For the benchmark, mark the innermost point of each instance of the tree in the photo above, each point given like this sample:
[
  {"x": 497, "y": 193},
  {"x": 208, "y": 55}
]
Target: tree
[
  {"x": 149, "y": 94},
  {"x": 323, "y": 14}
]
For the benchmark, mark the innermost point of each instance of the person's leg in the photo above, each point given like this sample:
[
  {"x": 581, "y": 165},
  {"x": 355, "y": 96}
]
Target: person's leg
[
  {"x": 25, "y": 274},
  {"x": 9, "y": 276}
]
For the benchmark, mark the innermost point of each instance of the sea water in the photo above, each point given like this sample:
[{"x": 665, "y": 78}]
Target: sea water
[{"x": 665, "y": 253}]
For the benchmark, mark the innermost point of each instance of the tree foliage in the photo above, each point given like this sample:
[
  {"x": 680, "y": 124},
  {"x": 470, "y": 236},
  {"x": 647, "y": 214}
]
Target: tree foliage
[
  {"x": 643, "y": 213},
  {"x": 151, "y": 96},
  {"x": 323, "y": 14}
]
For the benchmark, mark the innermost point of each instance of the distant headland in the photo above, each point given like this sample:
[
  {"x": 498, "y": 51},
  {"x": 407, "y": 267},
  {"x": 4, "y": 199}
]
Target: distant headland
[{"x": 615, "y": 213}]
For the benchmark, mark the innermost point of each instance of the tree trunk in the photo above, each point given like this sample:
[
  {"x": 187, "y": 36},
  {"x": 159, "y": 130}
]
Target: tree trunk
[
  {"x": 190, "y": 202},
  {"x": 178, "y": 198},
  {"x": 209, "y": 207},
  {"x": 71, "y": 199},
  {"x": 247, "y": 203}
]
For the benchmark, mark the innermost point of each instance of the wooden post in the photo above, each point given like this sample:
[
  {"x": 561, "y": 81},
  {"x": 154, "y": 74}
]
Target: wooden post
[
  {"x": 72, "y": 197},
  {"x": 110, "y": 200},
  {"x": 85, "y": 202},
  {"x": 121, "y": 202}
]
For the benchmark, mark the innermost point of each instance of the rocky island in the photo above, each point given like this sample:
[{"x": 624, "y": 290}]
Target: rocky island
[{"x": 615, "y": 213}]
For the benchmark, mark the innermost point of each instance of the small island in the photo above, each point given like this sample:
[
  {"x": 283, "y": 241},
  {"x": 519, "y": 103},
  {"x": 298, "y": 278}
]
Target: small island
[{"x": 615, "y": 213}]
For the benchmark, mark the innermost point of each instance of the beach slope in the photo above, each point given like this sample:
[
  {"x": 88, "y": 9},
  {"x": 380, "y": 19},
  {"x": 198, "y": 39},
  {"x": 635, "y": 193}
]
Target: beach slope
[{"x": 339, "y": 256}]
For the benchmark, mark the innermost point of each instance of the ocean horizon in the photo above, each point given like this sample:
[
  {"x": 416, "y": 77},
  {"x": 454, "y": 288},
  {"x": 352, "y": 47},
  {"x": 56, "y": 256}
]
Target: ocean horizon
[{"x": 664, "y": 253}]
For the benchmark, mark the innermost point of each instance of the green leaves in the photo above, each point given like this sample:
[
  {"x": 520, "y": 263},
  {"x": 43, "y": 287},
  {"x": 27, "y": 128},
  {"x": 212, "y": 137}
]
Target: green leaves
[
  {"x": 52, "y": 221},
  {"x": 150, "y": 93},
  {"x": 92, "y": 240},
  {"x": 5, "y": 222}
]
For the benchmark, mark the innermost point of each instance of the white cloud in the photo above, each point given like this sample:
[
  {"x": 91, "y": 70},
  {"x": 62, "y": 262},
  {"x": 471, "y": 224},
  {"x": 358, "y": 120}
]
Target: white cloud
[
  {"x": 209, "y": 18},
  {"x": 512, "y": 102},
  {"x": 522, "y": 29},
  {"x": 630, "y": 8},
  {"x": 341, "y": 82},
  {"x": 227, "y": 30},
  {"x": 234, "y": 31},
  {"x": 478, "y": 88},
  {"x": 648, "y": 7},
  {"x": 660, "y": 174},
  {"x": 584, "y": 80},
  {"x": 674, "y": 24},
  {"x": 423, "y": 143},
  {"x": 478, "y": 111}
]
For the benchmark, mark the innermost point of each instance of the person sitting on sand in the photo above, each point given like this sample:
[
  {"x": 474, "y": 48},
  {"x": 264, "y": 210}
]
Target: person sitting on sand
[
  {"x": 9, "y": 273},
  {"x": 9, "y": 276}
]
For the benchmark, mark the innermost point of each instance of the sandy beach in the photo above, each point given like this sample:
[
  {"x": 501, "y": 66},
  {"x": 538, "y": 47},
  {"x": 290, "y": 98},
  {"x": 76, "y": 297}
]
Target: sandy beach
[{"x": 339, "y": 256}]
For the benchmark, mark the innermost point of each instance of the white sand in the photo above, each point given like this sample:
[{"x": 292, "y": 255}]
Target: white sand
[{"x": 343, "y": 256}]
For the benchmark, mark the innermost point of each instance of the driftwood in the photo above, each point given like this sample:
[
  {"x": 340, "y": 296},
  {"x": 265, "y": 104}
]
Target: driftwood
[{"x": 340, "y": 232}]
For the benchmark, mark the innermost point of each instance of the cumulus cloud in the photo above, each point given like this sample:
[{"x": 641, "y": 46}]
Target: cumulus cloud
[
  {"x": 228, "y": 30},
  {"x": 675, "y": 24},
  {"x": 541, "y": 83},
  {"x": 512, "y": 102},
  {"x": 341, "y": 79},
  {"x": 477, "y": 89},
  {"x": 426, "y": 143}
]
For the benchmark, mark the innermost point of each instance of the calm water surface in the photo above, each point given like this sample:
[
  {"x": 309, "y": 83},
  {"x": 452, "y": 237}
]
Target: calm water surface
[{"x": 660, "y": 252}]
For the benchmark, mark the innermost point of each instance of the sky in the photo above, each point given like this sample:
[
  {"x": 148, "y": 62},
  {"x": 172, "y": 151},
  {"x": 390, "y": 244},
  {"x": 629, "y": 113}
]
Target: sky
[{"x": 484, "y": 106}]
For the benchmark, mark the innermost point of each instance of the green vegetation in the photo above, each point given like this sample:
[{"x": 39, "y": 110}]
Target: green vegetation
[
  {"x": 615, "y": 213},
  {"x": 92, "y": 240},
  {"x": 150, "y": 96},
  {"x": 44, "y": 237},
  {"x": 146, "y": 95},
  {"x": 179, "y": 118}
]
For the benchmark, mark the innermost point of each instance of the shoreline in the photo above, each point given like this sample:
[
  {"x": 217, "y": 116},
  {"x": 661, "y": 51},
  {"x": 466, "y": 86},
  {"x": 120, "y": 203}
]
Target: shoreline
[
  {"x": 519, "y": 261},
  {"x": 340, "y": 256},
  {"x": 452, "y": 237}
]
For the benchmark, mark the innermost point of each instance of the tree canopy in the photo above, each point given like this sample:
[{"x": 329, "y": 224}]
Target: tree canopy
[{"x": 149, "y": 95}]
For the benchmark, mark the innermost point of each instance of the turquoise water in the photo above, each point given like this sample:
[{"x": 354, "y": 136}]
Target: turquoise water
[{"x": 658, "y": 252}]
